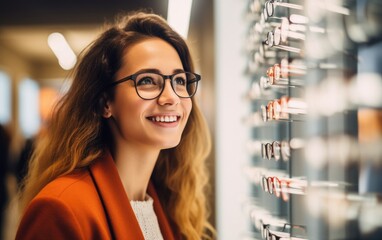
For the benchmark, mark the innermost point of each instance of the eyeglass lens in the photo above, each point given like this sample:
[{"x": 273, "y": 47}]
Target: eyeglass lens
[
  {"x": 276, "y": 150},
  {"x": 269, "y": 8},
  {"x": 151, "y": 85},
  {"x": 270, "y": 39}
]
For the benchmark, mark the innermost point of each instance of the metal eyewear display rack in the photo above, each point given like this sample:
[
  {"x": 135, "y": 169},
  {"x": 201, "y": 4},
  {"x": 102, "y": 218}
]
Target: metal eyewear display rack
[{"x": 313, "y": 70}]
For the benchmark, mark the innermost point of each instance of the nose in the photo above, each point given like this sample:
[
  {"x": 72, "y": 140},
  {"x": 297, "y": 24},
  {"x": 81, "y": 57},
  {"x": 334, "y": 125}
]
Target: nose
[{"x": 168, "y": 96}]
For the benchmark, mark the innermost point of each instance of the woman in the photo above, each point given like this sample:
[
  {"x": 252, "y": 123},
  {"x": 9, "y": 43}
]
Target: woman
[{"x": 124, "y": 156}]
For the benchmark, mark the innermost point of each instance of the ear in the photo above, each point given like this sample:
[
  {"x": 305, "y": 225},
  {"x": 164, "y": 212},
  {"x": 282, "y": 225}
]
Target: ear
[{"x": 105, "y": 107}]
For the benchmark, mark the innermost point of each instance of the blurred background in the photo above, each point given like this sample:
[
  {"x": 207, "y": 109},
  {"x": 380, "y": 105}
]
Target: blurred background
[
  {"x": 32, "y": 77},
  {"x": 291, "y": 90}
]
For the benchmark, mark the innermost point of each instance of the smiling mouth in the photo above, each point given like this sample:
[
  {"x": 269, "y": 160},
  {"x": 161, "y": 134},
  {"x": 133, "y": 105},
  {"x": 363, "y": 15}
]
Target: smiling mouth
[{"x": 164, "y": 119}]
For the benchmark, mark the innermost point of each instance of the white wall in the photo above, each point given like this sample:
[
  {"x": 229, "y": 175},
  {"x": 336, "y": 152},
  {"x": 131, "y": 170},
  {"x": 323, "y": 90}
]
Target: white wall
[{"x": 231, "y": 134}]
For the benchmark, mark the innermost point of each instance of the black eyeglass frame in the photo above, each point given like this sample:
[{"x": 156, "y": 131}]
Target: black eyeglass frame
[
  {"x": 269, "y": 7},
  {"x": 268, "y": 234},
  {"x": 134, "y": 76}
]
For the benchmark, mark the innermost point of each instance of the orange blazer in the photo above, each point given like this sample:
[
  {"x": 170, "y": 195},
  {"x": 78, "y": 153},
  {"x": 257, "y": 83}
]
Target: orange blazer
[{"x": 90, "y": 203}]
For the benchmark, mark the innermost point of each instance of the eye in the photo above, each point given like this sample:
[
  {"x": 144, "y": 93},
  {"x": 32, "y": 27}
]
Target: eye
[
  {"x": 180, "y": 81},
  {"x": 145, "y": 80}
]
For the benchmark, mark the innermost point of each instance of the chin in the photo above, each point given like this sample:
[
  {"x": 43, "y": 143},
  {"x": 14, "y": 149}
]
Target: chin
[{"x": 170, "y": 145}]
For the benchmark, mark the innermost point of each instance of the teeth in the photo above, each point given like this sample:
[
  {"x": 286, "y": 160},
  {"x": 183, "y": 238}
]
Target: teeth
[{"x": 164, "y": 119}]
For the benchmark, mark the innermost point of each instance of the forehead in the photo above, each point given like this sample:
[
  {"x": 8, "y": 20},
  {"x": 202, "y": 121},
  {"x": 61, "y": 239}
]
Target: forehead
[{"x": 150, "y": 53}]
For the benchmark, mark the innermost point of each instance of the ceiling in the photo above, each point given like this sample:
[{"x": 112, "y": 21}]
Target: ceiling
[
  {"x": 25, "y": 24},
  {"x": 30, "y": 42}
]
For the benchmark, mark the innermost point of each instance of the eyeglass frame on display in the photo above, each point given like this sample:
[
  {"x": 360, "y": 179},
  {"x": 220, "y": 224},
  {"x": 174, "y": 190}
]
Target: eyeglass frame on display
[
  {"x": 270, "y": 234},
  {"x": 282, "y": 152},
  {"x": 268, "y": 150},
  {"x": 274, "y": 74},
  {"x": 282, "y": 189},
  {"x": 268, "y": 12},
  {"x": 284, "y": 109},
  {"x": 270, "y": 41}
]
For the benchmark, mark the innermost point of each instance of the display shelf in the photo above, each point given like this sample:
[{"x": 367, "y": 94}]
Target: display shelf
[{"x": 309, "y": 87}]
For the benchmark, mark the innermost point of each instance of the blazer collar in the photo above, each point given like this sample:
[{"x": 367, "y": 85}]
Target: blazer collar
[{"x": 121, "y": 217}]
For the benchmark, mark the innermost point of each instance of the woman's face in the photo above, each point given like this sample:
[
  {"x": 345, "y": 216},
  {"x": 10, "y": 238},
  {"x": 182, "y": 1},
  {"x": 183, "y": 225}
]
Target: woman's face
[{"x": 156, "y": 123}]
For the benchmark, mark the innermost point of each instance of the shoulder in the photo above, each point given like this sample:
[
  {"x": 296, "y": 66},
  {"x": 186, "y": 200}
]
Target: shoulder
[
  {"x": 69, "y": 186},
  {"x": 77, "y": 191},
  {"x": 49, "y": 218},
  {"x": 68, "y": 207},
  {"x": 74, "y": 190}
]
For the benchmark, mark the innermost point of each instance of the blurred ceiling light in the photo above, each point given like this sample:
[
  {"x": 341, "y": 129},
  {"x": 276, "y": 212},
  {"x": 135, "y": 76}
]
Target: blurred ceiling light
[
  {"x": 178, "y": 15},
  {"x": 60, "y": 47}
]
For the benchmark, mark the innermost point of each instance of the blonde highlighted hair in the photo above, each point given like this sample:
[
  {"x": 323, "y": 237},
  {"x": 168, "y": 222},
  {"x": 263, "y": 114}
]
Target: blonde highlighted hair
[{"x": 77, "y": 133}]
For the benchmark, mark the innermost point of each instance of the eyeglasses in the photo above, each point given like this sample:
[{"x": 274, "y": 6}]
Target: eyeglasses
[
  {"x": 268, "y": 184},
  {"x": 278, "y": 74},
  {"x": 276, "y": 77},
  {"x": 267, "y": 221},
  {"x": 266, "y": 151},
  {"x": 270, "y": 234},
  {"x": 283, "y": 186},
  {"x": 276, "y": 149},
  {"x": 270, "y": 5},
  {"x": 150, "y": 85},
  {"x": 281, "y": 109},
  {"x": 270, "y": 150},
  {"x": 274, "y": 39}
]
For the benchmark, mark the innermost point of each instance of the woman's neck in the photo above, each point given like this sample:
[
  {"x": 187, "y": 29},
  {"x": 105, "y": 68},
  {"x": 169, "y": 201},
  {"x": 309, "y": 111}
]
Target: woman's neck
[{"x": 135, "y": 166}]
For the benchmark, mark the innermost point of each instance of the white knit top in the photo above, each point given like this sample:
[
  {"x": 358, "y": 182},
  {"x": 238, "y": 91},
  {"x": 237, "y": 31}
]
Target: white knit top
[{"x": 147, "y": 219}]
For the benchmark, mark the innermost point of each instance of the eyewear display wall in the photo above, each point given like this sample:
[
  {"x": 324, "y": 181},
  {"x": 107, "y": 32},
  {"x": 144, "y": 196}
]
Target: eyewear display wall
[{"x": 307, "y": 94}]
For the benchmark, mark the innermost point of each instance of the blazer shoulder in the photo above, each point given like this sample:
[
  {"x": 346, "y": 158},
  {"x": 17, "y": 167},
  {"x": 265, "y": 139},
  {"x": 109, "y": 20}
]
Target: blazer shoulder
[
  {"x": 74, "y": 199},
  {"x": 77, "y": 190},
  {"x": 48, "y": 218},
  {"x": 78, "y": 182}
]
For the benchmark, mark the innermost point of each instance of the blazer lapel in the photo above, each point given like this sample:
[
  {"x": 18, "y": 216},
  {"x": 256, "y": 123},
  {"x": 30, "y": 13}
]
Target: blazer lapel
[{"x": 124, "y": 224}]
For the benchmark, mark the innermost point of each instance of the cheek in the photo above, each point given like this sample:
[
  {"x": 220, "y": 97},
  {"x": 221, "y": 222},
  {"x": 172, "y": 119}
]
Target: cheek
[
  {"x": 126, "y": 102},
  {"x": 187, "y": 107}
]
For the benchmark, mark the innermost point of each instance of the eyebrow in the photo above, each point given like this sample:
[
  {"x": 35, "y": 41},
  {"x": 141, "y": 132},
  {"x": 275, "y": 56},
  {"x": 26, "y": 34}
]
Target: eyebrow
[{"x": 155, "y": 70}]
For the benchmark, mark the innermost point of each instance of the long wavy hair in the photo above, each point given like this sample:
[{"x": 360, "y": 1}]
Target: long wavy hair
[{"x": 78, "y": 134}]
